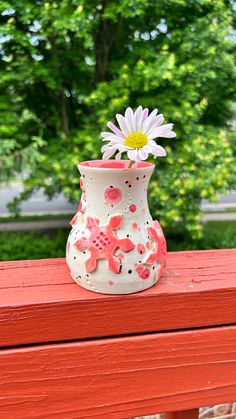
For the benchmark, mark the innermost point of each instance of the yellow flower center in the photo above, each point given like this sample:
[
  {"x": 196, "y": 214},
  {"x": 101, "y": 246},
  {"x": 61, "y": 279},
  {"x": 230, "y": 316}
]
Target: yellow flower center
[{"x": 136, "y": 140}]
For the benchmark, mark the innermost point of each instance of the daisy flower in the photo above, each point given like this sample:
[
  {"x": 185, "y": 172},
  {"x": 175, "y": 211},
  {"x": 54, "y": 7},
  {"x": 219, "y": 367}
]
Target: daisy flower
[{"x": 135, "y": 135}]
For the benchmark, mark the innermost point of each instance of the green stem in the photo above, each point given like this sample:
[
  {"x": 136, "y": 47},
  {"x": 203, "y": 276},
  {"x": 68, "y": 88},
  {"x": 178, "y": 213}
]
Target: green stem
[{"x": 131, "y": 164}]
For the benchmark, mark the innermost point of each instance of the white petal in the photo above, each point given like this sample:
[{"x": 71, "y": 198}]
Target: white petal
[
  {"x": 105, "y": 134},
  {"x": 145, "y": 114},
  {"x": 104, "y": 148},
  {"x": 122, "y": 122},
  {"x": 118, "y": 156},
  {"x": 156, "y": 122},
  {"x": 108, "y": 152},
  {"x": 146, "y": 124},
  {"x": 114, "y": 138},
  {"x": 170, "y": 134},
  {"x": 142, "y": 154},
  {"x": 129, "y": 116},
  {"x": 139, "y": 108},
  {"x": 132, "y": 154},
  {"x": 116, "y": 130},
  {"x": 163, "y": 131},
  {"x": 147, "y": 148},
  {"x": 159, "y": 119},
  {"x": 122, "y": 147},
  {"x": 138, "y": 158},
  {"x": 138, "y": 118},
  {"x": 157, "y": 150},
  {"x": 109, "y": 145}
]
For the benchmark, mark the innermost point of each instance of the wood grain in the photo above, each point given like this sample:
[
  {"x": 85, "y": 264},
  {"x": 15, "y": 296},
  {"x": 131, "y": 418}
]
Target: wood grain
[
  {"x": 184, "y": 414},
  {"x": 39, "y": 302},
  {"x": 119, "y": 378}
]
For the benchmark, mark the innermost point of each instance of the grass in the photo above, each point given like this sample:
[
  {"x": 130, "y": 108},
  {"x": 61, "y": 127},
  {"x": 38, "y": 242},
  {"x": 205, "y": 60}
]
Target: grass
[
  {"x": 33, "y": 245},
  {"x": 216, "y": 235},
  {"x": 38, "y": 245}
]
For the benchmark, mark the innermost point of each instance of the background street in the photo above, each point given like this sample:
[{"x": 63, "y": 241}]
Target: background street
[{"x": 38, "y": 204}]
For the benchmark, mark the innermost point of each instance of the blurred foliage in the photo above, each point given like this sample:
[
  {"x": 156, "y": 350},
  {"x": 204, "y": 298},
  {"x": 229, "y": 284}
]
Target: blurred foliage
[
  {"x": 67, "y": 67},
  {"x": 39, "y": 245},
  {"x": 24, "y": 245}
]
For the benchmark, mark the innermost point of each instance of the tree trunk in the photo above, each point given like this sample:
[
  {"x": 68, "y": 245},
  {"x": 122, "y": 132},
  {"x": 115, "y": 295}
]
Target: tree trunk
[
  {"x": 64, "y": 116},
  {"x": 104, "y": 38}
]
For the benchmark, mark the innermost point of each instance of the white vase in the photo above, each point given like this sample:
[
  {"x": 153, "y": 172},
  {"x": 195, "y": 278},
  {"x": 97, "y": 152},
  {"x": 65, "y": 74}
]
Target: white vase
[{"x": 114, "y": 246}]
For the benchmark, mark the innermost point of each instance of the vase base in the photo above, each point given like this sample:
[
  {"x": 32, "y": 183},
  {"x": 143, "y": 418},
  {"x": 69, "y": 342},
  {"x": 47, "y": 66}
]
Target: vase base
[{"x": 115, "y": 289}]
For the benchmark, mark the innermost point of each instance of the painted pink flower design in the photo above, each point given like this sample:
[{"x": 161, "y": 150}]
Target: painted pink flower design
[
  {"x": 159, "y": 252},
  {"x": 103, "y": 242},
  {"x": 82, "y": 204},
  {"x": 142, "y": 271},
  {"x": 74, "y": 220},
  {"x": 113, "y": 195}
]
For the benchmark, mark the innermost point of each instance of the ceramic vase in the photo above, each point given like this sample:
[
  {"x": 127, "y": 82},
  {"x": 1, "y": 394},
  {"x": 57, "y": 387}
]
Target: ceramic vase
[{"x": 114, "y": 246}]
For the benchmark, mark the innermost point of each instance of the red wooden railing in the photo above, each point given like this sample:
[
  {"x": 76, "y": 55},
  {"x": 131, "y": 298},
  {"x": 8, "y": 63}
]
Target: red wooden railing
[{"x": 70, "y": 353}]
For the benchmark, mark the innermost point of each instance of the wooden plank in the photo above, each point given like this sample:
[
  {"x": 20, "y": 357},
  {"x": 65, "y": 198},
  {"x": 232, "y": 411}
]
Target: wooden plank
[
  {"x": 39, "y": 302},
  {"x": 119, "y": 378},
  {"x": 184, "y": 414}
]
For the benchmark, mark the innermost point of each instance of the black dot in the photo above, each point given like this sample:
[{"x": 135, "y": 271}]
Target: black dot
[
  {"x": 87, "y": 275},
  {"x": 153, "y": 267},
  {"x": 127, "y": 235},
  {"x": 80, "y": 276},
  {"x": 126, "y": 182},
  {"x": 111, "y": 186},
  {"x": 144, "y": 176},
  {"x": 130, "y": 271},
  {"x": 74, "y": 257},
  {"x": 147, "y": 222},
  {"x": 139, "y": 261},
  {"x": 130, "y": 186},
  {"x": 91, "y": 178},
  {"x": 137, "y": 178},
  {"x": 83, "y": 175},
  {"x": 108, "y": 215},
  {"x": 112, "y": 205},
  {"x": 84, "y": 253}
]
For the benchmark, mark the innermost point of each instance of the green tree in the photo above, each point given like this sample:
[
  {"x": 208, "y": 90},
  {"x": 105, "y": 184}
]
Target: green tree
[{"x": 69, "y": 66}]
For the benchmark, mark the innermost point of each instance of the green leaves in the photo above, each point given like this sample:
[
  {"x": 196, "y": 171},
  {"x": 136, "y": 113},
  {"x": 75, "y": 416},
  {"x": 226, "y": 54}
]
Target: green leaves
[{"x": 67, "y": 67}]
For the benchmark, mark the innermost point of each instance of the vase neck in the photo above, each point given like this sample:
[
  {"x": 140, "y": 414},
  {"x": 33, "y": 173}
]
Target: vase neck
[{"x": 111, "y": 192}]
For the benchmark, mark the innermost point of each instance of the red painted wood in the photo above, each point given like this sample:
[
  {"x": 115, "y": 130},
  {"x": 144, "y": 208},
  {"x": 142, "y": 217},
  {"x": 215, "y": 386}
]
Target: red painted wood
[
  {"x": 39, "y": 302},
  {"x": 119, "y": 378},
  {"x": 184, "y": 414}
]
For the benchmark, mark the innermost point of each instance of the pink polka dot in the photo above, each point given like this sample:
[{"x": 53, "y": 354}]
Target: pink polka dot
[
  {"x": 143, "y": 273},
  {"x": 141, "y": 248},
  {"x": 113, "y": 195},
  {"x": 135, "y": 226},
  {"x": 132, "y": 207},
  {"x": 110, "y": 282},
  {"x": 149, "y": 245}
]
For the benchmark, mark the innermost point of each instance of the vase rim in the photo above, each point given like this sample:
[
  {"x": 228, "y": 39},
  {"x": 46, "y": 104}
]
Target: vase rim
[{"x": 117, "y": 165}]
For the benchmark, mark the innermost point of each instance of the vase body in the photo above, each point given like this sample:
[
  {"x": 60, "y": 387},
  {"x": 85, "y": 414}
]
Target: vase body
[{"x": 114, "y": 246}]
